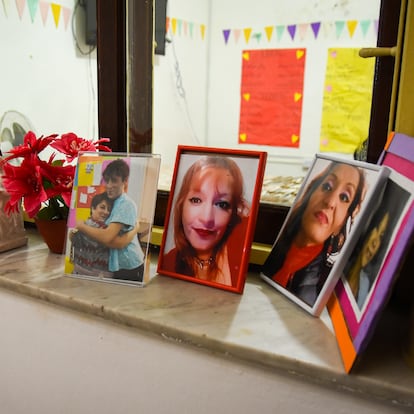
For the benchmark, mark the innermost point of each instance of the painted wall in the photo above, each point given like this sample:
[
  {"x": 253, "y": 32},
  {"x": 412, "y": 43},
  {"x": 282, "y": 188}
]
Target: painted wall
[
  {"x": 181, "y": 81},
  {"x": 179, "y": 120},
  {"x": 43, "y": 74}
]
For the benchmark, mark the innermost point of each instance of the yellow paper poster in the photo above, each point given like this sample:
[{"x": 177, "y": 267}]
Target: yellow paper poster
[{"x": 346, "y": 101}]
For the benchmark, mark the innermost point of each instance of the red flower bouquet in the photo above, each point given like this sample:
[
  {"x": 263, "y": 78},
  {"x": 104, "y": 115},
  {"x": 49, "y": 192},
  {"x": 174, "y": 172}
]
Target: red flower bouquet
[{"x": 44, "y": 187}]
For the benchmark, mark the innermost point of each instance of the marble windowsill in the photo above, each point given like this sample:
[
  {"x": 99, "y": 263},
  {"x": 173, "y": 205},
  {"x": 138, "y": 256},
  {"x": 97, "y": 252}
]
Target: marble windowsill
[{"x": 260, "y": 326}]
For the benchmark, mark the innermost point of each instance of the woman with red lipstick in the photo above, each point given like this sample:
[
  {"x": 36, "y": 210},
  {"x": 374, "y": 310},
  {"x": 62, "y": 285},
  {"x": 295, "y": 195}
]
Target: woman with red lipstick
[
  {"x": 210, "y": 217},
  {"x": 316, "y": 229}
]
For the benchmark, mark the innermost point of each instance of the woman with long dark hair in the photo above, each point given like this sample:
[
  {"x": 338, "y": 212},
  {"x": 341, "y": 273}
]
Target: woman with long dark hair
[{"x": 316, "y": 230}]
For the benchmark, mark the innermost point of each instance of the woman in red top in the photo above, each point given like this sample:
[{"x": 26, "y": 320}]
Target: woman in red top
[{"x": 316, "y": 229}]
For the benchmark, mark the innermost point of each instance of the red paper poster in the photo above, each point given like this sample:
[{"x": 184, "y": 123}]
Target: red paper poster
[{"x": 271, "y": 97}]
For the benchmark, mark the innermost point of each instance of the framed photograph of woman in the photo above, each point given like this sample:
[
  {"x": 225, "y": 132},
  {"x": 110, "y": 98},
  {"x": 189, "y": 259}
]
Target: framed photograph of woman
[
  {"x": 110, "y": 218},
  {"x": 211, "y": 216},
  {"x": 307, "y": 257},
  {"x": 369, "y": 275}
]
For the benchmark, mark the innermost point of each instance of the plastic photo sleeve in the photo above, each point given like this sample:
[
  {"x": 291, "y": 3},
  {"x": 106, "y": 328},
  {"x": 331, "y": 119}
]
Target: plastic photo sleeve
[
  {"x": 111, "y": 215},
  {"x": 211, "y": 216}
]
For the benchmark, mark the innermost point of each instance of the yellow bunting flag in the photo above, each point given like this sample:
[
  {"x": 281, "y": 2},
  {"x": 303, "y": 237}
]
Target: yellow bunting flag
[
  {"x": 269, "y": 32},
  {"x": 247, "y": 33},
  {"x": 203, "y": 30},
  {"x": 352, "y": 24},
  {"x": 56, "y": 8}
]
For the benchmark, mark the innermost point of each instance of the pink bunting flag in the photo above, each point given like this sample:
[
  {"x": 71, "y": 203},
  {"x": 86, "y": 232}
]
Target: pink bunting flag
[
  {"x": 20, "y": 7},
  {"x": 44, "y": 11},
  {"x": 66, "y": 15}
]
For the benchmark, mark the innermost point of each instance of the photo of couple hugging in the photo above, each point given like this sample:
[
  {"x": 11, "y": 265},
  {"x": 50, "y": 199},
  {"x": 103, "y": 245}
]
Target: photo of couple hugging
[{"x": 106, "y": 244}]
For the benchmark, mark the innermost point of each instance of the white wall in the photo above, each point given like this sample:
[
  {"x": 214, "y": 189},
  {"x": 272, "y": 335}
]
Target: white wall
[
  {"x": 43, "y": 75},
  {"x": 180, "y": 114},
  {"x": 224, "y": 72}
]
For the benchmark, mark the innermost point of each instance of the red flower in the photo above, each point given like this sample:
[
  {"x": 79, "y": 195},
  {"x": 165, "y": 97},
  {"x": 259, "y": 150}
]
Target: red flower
[
  {"x": 59, "y": 180},
  {"x": 44, "y": 185},
  {"x": 70, "y": 145},
  {"x": 24, "y": 182},
  {"x": 31, "y": 145}
]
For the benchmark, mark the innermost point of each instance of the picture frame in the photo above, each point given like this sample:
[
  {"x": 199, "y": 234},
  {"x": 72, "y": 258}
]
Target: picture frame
[
  {"x": 321, "y": 229},
  {"x": 111, "y": 216},
  {"x": 211, "y": 216},
  {"x": 355, "y": 315}
]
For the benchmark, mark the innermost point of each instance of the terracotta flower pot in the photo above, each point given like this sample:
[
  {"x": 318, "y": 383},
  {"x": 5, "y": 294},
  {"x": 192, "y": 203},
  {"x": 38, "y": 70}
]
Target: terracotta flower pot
[{"x": 53, "y": 233}]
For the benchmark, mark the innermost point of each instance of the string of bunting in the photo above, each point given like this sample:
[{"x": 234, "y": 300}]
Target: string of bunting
[
  {"x": 181, "y": 27},
  {"x": 185, "y": 28},
  {"x": 301, "y": 30},
  {"x": 59, "y": 12}
]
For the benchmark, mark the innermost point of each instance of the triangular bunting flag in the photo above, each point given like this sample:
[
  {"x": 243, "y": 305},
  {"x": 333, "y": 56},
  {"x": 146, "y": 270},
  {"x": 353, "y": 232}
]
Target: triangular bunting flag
[
  {"x": 247, "y": 33},
  {"x": 20, "y": 7},
  {"x": 174, "y": 25},
  {"x": 339, "y": 28},
  {"x": 32, "y": 5},
  {"x": 236, "y": 34},
  {"x": 185, "y": 27},
  {"x": 191, "y": 26},
  {"x": 315, "y": 28},
  {"x": 292, "y": 30},
  {"x": 352, "y": 24},
  {"x": 56, "y": 12},
  {"x": 303, "y": 27},
  {"x": 327, "y": 28},
  {"x": 226, "y": 34},
  {"x": 179, "y": 26},
  {"x": 364, "y": 24},
  {"x": 66, "y": 15},
  {"x": 257, "y": 36},
  {"x": 279, "y": 31},
  {"x": 203, "y": 30},
  {"x": 167, "y": 24},
  {"x": 5, "y": 9},
  {"x": 269, "y": 32},
  {"x": 376, "y": 25},
  {"x": 44, "y": 11}
]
